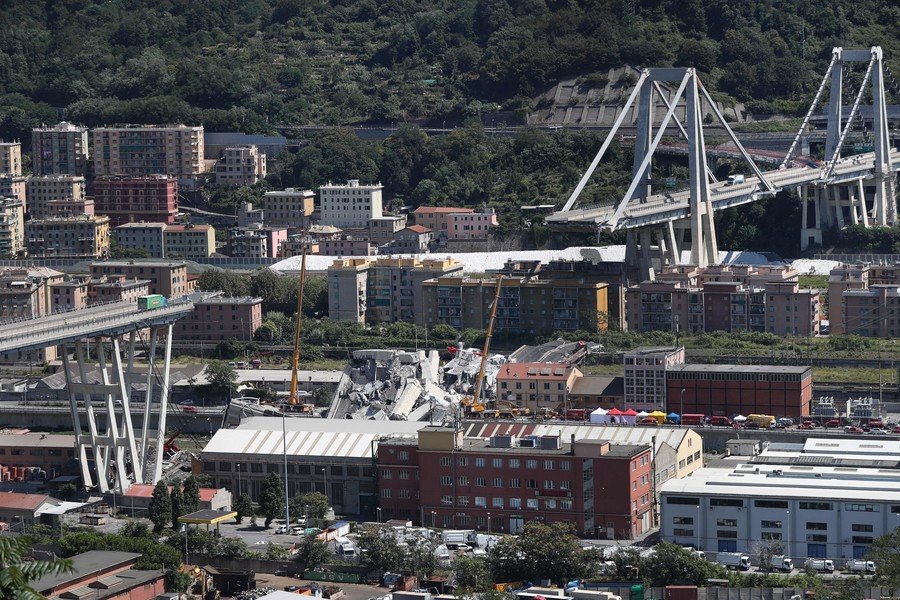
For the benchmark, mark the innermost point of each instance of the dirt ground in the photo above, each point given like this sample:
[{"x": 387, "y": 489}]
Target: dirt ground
[{"x": 352, "y": 591}]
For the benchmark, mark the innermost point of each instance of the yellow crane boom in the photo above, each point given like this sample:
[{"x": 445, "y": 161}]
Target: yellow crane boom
[
  {"x": 295, "y": 359},
  {"x": 479, "y": 381}
]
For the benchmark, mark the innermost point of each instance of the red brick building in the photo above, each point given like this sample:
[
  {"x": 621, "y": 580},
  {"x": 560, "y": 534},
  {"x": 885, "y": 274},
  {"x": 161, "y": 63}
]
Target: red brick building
[
  {"x": 499, "y": 484},
  {"x": 153, "y": 199},
  {"x": 103, "y": 575},
  {"x": 728, "y": 390},
  {"x": 219, "y": 318}
]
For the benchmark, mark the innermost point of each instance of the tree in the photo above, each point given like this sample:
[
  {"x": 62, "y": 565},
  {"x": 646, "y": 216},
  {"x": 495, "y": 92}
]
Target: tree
[
  {"x": 885, "y": 552},
  {"x": 232, "y": 547},
  {"x": 313, "y": 504},
  {"x": 271, "y": 498},
  {"x": 243, "y": 506},
  {"x": 191, "y": 496},
  {"x": 311, "y": 552},
  {"x": 160, "y": 509},
  {"x": 671, "y": 564},
  {"x": 176, "y": 500},
  {"x": 17, "y": 572},
  {"x": 221, "y": 378},
  {"x": 420, "y": 558},
  {"x": 379, "y": 549},
  {"x": 472, "y": 574}
]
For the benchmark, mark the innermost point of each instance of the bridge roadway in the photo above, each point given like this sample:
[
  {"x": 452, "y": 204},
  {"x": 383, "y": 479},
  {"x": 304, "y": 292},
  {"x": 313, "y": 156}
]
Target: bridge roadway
[
  {"x": 662, "y": 208},
  {"x": 115, "y": 318}
]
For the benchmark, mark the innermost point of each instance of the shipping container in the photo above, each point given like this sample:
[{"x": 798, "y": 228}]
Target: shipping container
[{"x": 681, "y": 592}]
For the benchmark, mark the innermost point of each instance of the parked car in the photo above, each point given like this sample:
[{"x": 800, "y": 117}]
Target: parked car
[
  {"x": 896, "y": 429},
  {"x": 282, "y": 529},
  {"x": 876, "y": 423},
  {"x": 878, "y": 431},
  {"x": 853, "y": 429},
  {"x": 648, "y": 422},
  {"x": 807, "y": 425},
  {"x": 833, "y": 423}
]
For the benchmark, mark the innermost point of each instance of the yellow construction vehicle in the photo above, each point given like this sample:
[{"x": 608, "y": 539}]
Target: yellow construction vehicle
[{"x": 473, "y": 404}]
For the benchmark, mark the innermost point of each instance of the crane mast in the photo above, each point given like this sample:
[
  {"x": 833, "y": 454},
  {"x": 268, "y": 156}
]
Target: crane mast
[{"x": 295, "y": 359}]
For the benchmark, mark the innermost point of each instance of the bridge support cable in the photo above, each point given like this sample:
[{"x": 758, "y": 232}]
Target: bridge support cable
[
  {"x": 884, "y": 211},
  {"x": 606, "y": 143},
  {"x": 662, "y": 96},
  {"x": 812, "y": 108},
  {"x": 836, "y": 152}
]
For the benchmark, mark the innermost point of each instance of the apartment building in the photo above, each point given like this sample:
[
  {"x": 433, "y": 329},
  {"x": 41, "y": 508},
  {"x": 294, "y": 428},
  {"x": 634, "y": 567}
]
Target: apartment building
[
  {"x": 537, "y": 385},
  {"x": 296, "y": 243},
  {"x": 240, "y": 165},
  {"x": 10, "y": 158},
  {"x": 384, "y": 290},
  {"x": 437, "y": 218},
  {"x": 12, "y": 227},
  {"x": 142, "y": 150},
  {"x": 59, "y": 150},
  {"x": 141, "y": 236},
  {"x": 351, "y": 205},
  {"x": 151, "y": 199},
  {"x": 117, "y": 288},
  {"x": 70, "y": 294},
  {"x": 290, "y": 207},
  {"x": 645, "y": 376},
  {"x": 414, "y": 239},
  {"x": 346, "y": 245},
  {"x": 864, "y": 300},
  {"x": 383, "y": 229},
  {"x": 528, "y": 305},
  {"x": 443, "y": 479},
  {"x": 25, "y": 293},
  {"x": 68, "y": 237},
  {"x": 248, "y": 215},
  {"x": 471, "y": 225},
  {"x": 728, "y": 390},
  {"x": 13, "y": 186},
  {"x": 725, "y": 298},
  {"x": 42, "y": 191},
  {"x": 168, "y": 278},
  {"x": 219, "y": 318},
  {"x": 70, "y": 208},
  {"x": 189, "y": 241},
  {"x": 256, "y": 241}
]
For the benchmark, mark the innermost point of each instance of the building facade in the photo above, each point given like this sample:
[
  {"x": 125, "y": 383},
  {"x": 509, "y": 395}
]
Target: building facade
[
  {"x": 383, "y": 229},
  {"x": 385, "y": 290},
  {"x": 13, "y": 186},
  {"x": 152, "y": 199},
  {"x": 414, "y": 239},
  {"x": 168, "y": 278},
  {"x": 10, "y": 158},
  {"x": 349, "y": 206},
  {"x": 68, "y": 237},
  {"x": 189, "y": 241},
  {"x": 290, "y": 207},
  {"x": 864, "y": 300},
  {"x": 471, "y": 225},
  {"x": 42, "y": 192},
  {"x": 527, "y": 304},
  {"x": 12, "y": 227},
  {"x": 537, "y": 385},
  {"x": 437, "y": 218},
  {"x": 645, "y": 376},
  {"x": 220, "y": 318},
  {"x": 70, "y": 294},
  {"x": 241, "y": 165},
  {"x": 142, "y": 150},
  {"x": 498, "y": 485},
  {"x": 728, "y": 390},
  {"x": 346, "y": 245},
  {"x": 59, "y": 150},
  {"x": 256, "y": 241},
  {"x": 137, "y": 236}
]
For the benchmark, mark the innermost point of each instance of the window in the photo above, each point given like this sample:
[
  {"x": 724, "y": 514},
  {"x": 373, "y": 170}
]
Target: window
[
  {"x": 403, "y": 474},
  {"x": 531, "y": 463},
  {"x": 817, "y": 526},
  {"x": 726, "y": 534},
  {"x": 860, "y": 507},
  {"x": 683, "y": 500},
  {"x": 447, "y": 500},
  {"x": 462, "y": 500},
  {"x": 497, "y": 502},
  {"x": 498, "y": 482},
  {"x": 548, "y": 465},
  {"x": 403, "y": 494},
  {"x": 565, "y": 485},
  {"x": 549, "y": 484},
  {"x": 679, "y": 532},
  {"x": 497, "y": 463},
  {"x": 479, "y": 462},
  {"x": 385, "y": 492},
  {"x": 863, "y": 527},
  {"x": 771, "y": 535},
  {"x": 481, "y": 501},
  {"x": 515, "y": 483},
  {"x": 446, "y": 480},
  {"x": 565, "y": 465},
  {"x": 404, "y": 455},
  {"x": 445, "y": 461},
  {"x": 815, "y": 506},
  {"x": 531, "y": 484},
  {"x": 387, "y": 474},
  {"x": 514, "y": 463},
  {"x": 515, "y": 503},
  {"x": 726, "y": 502},
  {"x": 770, "y": 503},
  {"x": 726, "y": 522},
  {"x": 462, "y": 480},
  {"x": 532, "y": 503},
  {"x": 770, "y": 524},
  {"x": 462, "y": 461},
  {"x": 550, "y": 504},
  {"x": 480, "y": 481}
]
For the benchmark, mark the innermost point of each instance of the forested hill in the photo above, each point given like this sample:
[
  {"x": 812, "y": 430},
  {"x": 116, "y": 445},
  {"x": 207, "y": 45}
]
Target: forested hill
[{"x": 251, "y": 64}]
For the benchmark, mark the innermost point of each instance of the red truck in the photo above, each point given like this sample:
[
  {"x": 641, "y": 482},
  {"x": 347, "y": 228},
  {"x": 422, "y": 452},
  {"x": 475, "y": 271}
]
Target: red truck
[{"x": 688, "y": 419}]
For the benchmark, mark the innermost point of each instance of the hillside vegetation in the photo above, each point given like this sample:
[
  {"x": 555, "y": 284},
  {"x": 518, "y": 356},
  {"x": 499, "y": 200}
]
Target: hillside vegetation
[{"x": 247, "y": 65}]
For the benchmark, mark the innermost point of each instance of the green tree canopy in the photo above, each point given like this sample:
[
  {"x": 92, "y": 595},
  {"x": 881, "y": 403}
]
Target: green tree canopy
[
  {"x": 17, "y": 572},
  {"x": 313, "y": 504},
  {"x": 160, "y": 508},
  {"x": 271, "y": 497}
]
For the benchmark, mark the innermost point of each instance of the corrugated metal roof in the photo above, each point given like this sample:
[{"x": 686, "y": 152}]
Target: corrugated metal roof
[{"x": 616, "y": 435}]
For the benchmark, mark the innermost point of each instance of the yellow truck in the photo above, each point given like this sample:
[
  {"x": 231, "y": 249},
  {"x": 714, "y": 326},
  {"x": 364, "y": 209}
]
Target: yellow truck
[{"x": 763, "y": 421}]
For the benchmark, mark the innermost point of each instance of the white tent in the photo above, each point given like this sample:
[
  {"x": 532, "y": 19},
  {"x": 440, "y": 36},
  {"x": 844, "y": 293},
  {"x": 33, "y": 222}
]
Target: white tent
[
  {"x": 643, "y": 414},
  {"x": 599, "y": 416},
  {"x": 739, "y": 419}
]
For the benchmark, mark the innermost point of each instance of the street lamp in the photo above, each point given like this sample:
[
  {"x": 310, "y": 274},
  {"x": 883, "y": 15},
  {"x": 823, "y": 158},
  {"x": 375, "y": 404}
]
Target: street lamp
[
  {"x": 682, "y": 408},
  {"x": 378, "y": 511},
  {"x": 489, "y": 522},
  {"x": 325, "y": 483},
  {"x": 239, "y": 477},
  {"x": 433, "y": 514}
]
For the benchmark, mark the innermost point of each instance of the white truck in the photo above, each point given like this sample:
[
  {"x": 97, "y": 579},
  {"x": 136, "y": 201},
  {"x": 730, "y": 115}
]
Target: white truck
[
  {"x": 781, "y": 563},
  {"x": 822, "y": 565},
  {"x": 733, "y": 560},
  {"x": 735, "y": 179},
  {"x": 860, "y": 566},
  {"x": 698, "y": 553}
]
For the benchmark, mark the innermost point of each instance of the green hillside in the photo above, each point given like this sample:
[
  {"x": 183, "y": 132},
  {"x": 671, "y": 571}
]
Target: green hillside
[{"x": 252, "y": 64}]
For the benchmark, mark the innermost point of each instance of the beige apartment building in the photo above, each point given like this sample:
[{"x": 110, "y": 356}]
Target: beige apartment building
[
  {"x": 537, "y": 385},
  {"x": 864, "y": 300},
  {"x": 141, "y": 150},
  {"x": 59, "y": 150},
  {"x": 241, "y": 165},
  {"x": 137, "y": 236},
  {"x": 169, "y": 278},
  {"x": 117, "y": 288},
  {"x": 219, "y": 318},
  {"x": 11, "y": 158},
  {"x": 25, "y": 293},
  {"x": 645, "y": 376},
  {"x": 189, "y": 241},
  {"x": 68, "y": 237},
  {"x": 69, "y": 294},
  {"x": 290, "y": 207},
  {"x": 41, "y": 191},
  {"x": 383, "y": 229},
  {"x": 349, "y": 206},
  {"x": 385, "y": 290},
  {"x": 12, "y": 227},
  {"x": 13, "y": 186}
]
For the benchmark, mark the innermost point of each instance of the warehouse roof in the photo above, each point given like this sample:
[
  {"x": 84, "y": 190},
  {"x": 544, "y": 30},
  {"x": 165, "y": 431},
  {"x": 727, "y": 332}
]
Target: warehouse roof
[
  {"x": 334, "y": 438},
  {"x": 35, "y": 440},
  {"x": 704, "y": 368},
  {"x": 673, "y": 437}
]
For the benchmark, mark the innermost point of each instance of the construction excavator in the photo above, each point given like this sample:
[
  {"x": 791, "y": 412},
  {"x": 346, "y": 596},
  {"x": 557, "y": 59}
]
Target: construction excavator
[{"x": 473, "y": 404}]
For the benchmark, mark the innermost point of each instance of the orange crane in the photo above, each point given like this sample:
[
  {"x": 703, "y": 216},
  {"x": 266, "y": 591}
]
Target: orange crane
[
  {"x": 475, "y": 404},
  {"x": 293, "y": 399}
]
